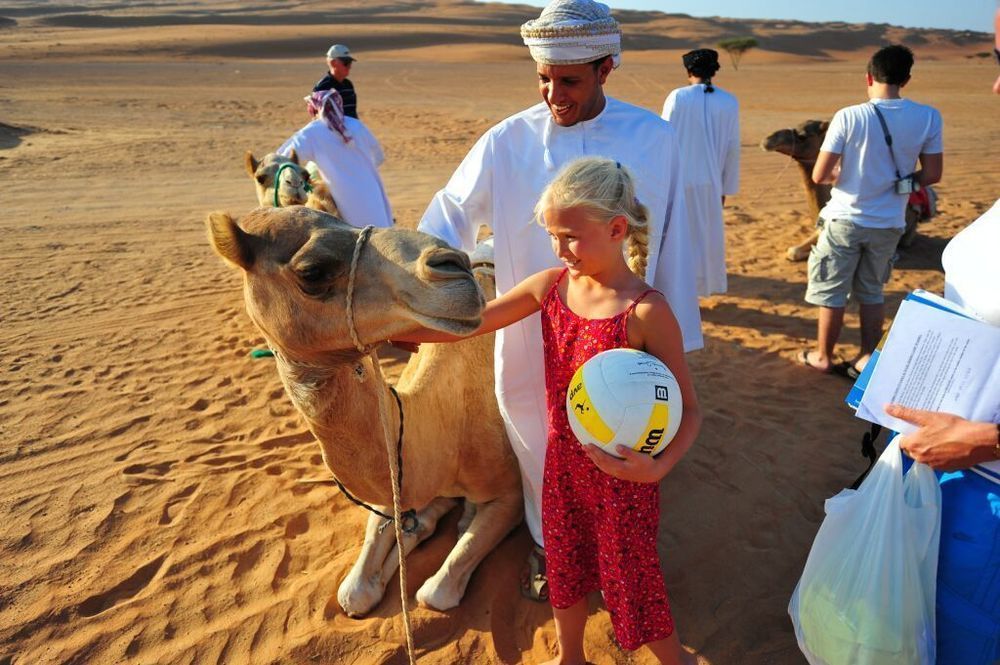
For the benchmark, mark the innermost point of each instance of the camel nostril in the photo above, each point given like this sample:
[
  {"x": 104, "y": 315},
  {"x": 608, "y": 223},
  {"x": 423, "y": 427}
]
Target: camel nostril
[{"x": 448, "y": 263}]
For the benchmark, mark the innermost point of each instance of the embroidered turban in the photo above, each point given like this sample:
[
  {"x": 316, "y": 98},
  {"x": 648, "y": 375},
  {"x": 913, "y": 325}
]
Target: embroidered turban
[{"x": 571, "y": 32}]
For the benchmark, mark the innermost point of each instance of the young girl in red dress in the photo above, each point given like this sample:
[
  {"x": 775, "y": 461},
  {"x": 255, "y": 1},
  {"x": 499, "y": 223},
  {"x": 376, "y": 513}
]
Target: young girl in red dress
[{"x": 600, "y": 514}]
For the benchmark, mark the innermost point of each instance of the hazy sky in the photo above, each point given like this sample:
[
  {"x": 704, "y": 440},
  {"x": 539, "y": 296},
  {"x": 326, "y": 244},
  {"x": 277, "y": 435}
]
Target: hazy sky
[{"x": 953, "y": 14}]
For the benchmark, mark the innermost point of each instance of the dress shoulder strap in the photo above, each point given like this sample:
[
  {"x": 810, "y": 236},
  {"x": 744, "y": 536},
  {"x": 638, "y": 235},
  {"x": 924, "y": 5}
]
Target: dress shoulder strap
[
  {"x": 639, "y": 299},
  {"x": 555, "y": 285}
]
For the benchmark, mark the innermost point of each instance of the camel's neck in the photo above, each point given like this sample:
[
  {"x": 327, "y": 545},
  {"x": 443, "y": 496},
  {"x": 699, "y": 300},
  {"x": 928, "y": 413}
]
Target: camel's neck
[
  {"x": 340, "y": 403},
  {"x": 816, "y": 195}
]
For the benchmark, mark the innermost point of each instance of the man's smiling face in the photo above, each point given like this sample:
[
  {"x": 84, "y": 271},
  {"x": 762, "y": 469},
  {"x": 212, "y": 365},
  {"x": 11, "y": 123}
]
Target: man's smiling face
[{"x": 573, "y": 93}]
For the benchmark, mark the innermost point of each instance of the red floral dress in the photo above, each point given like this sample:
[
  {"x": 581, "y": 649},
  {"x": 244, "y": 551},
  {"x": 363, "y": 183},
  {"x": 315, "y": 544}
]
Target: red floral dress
[{"x": 600, "y": 531}]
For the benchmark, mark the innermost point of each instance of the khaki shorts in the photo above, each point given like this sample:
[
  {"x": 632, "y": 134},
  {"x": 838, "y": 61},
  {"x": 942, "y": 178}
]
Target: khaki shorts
[{"x": 850, "y": 260}]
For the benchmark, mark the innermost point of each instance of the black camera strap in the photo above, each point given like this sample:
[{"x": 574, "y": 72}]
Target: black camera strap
[{"x": 888, "y": 138}]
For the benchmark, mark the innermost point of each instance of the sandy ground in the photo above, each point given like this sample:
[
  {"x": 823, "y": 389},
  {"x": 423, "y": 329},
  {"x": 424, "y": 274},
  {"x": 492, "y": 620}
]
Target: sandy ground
[{"x": 152, "y": 507}]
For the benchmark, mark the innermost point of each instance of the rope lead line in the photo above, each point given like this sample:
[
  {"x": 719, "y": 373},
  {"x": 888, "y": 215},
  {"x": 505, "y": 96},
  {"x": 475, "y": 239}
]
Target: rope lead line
[{"x": 395, "y": 461}]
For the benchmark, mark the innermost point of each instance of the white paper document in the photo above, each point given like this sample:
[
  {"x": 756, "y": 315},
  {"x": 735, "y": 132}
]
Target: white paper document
[{"x": 935, "y": 360}]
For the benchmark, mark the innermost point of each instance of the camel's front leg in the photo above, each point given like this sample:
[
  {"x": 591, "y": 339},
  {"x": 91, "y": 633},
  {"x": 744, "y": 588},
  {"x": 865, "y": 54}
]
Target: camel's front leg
[
  {"x": 365, "y": 584},
  {"x": 801, "y": 252},
  {"x": 492, "y": 521}
]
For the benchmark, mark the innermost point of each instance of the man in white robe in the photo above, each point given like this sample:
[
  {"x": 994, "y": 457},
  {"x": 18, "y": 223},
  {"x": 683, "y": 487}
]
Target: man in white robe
[
  {"x": 575, "y": 44},
  {"x": 706, "y": 119},
  {"x": 348, "y": 156}
]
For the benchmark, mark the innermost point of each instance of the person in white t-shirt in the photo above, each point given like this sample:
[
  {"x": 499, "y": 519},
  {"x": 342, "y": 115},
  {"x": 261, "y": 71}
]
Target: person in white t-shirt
[
  {"x": 707, "y": 121},
  {"x": 869, "y": 154},
  {"x": 348, "y": 157}
]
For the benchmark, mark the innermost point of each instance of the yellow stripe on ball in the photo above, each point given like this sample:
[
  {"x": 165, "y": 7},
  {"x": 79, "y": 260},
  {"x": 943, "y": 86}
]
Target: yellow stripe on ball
[
  {"x": 659, "y": 418},
  {"x": 584, "y": 409}
]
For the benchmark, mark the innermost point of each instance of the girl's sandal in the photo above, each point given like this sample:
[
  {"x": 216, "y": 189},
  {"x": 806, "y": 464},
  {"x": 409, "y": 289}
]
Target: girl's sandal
[{"x": 534, "y": 583}]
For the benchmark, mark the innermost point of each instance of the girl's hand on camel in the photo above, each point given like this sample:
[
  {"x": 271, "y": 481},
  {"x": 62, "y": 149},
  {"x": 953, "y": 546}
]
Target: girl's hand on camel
[
  {"x": 945, "y": 441},
  {"x": 635, "y": 467}
]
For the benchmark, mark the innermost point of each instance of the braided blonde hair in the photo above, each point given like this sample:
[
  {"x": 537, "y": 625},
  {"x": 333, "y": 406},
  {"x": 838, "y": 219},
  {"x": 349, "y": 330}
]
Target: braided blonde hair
[{"x": 606, "y": 190}]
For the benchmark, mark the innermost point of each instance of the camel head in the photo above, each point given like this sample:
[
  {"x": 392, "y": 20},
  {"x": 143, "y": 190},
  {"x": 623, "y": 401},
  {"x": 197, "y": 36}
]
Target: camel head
[
  {"x": 801, "y": 143},
  {"x": 296, "y": 264},
  {"x": 295, "y": 179}
]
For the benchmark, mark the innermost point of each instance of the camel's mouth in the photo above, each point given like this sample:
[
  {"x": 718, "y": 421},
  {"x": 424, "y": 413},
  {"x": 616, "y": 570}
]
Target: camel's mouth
[
  {"x": 780, "y": 141},
  {"x": 455, "y": 326},
  {"x": 461, "y": 311}
]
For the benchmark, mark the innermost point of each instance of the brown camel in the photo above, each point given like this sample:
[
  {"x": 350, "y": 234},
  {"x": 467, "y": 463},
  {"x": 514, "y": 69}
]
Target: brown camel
[
  {"x": 298, "y": 186},
  {"x": 295, "y": 264},
  {"x": 802, "y": 144}
]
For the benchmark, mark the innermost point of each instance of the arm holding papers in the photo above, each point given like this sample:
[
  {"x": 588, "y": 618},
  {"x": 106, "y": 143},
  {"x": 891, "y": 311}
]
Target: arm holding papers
[
  {"x": 936, "y": 380},
  {"x": 934, "y": 359},
  {"x": 944, "y": 441}
]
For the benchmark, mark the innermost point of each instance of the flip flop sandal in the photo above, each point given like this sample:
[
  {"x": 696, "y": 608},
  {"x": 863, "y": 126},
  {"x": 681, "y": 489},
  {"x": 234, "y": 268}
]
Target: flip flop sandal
[
  {"x": 535, "y": 585},
  {"x": 803, "y": 359}
]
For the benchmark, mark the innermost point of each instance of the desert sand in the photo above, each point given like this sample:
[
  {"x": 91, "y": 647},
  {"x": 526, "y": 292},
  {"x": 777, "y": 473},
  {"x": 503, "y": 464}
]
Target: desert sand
[{"x": 155, "y": 503}]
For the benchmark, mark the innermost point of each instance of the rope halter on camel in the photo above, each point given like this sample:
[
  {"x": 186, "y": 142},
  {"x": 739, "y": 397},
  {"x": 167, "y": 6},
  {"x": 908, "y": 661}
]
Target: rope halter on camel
[
  {"x": 277, "y": 181},
  {"x": 383, "y": 412}
]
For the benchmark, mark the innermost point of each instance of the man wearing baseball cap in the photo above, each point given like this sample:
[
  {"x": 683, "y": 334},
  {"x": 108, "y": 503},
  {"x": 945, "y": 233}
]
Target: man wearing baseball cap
[{"x": 339, "y": 61}]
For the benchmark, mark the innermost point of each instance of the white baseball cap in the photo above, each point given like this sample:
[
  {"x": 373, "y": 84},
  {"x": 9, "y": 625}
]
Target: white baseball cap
[{"x": 339, "y": 51}]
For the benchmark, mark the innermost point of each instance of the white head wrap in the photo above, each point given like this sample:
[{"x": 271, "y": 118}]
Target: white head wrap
[{"x": 570, "y": 32}]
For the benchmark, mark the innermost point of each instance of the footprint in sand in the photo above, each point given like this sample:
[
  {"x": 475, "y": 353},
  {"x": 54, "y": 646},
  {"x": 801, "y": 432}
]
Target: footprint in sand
[
  {"x": 159, "y": 469},
  {"x": 287, "y": 441},
  {"x": 123, "y": 591},
  {"x": 177, "y": 503},
  {"x": 296, "y": 526},
  {"x": 199, "y": 405}
]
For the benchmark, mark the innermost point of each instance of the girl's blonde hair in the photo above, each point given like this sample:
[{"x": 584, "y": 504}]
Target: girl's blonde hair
[{"x": 605, "y": 189}]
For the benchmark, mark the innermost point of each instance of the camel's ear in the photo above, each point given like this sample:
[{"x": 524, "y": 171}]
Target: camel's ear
[
  {"x": 294, "y": 157},
  {"x": 250, "y": 163},
  {"x": 229, "y": 241},
  {"x": 814, "y": 127}
]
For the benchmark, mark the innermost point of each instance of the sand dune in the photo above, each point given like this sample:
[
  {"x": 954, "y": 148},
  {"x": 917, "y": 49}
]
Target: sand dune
[{"x": 157, "y": 501}]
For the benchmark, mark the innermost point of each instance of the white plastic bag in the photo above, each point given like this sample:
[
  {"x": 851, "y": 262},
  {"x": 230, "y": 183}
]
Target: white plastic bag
[{"x": 866, "y": 595}]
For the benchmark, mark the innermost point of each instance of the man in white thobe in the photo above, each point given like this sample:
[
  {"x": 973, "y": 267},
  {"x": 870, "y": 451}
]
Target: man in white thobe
[
  {"x": 348, "y": 157},
  {"x": 706, "y": 119},
  {"x": 575, "y": 44}
]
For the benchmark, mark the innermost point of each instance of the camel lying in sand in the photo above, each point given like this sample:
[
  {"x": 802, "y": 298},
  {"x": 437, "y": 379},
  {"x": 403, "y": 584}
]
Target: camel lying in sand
[
  {"x": 295, "y": 264},
  {"x": 802, "y": 144},
  {"x": 298, "y": 185}
]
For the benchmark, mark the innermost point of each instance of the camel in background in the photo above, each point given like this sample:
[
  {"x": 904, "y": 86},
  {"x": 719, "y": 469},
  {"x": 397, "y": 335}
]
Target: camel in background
[
  {"x": 802, "y": 144},
  {"x": 295, "y": 264},
  {"x": 300, "y": 185}
]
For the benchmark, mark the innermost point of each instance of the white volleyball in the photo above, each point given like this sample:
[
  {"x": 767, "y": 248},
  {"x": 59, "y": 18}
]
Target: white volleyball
[{"x": 624, "y": 397}]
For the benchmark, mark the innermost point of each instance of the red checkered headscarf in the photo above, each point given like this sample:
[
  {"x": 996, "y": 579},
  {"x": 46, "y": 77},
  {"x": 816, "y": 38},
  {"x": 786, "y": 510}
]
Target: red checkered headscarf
[{"x": 329, "y": 105}]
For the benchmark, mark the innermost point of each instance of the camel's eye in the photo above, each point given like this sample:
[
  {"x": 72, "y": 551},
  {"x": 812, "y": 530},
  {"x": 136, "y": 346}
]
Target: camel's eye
[
  {"x": 312, "y": 273},
  {"x": 261, "y": 178},
  {"x": 314, "y": 278}
]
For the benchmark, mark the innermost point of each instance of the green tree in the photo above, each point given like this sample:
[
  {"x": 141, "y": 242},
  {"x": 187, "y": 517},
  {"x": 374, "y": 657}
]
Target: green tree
[{"x": 736, "y": 47}]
